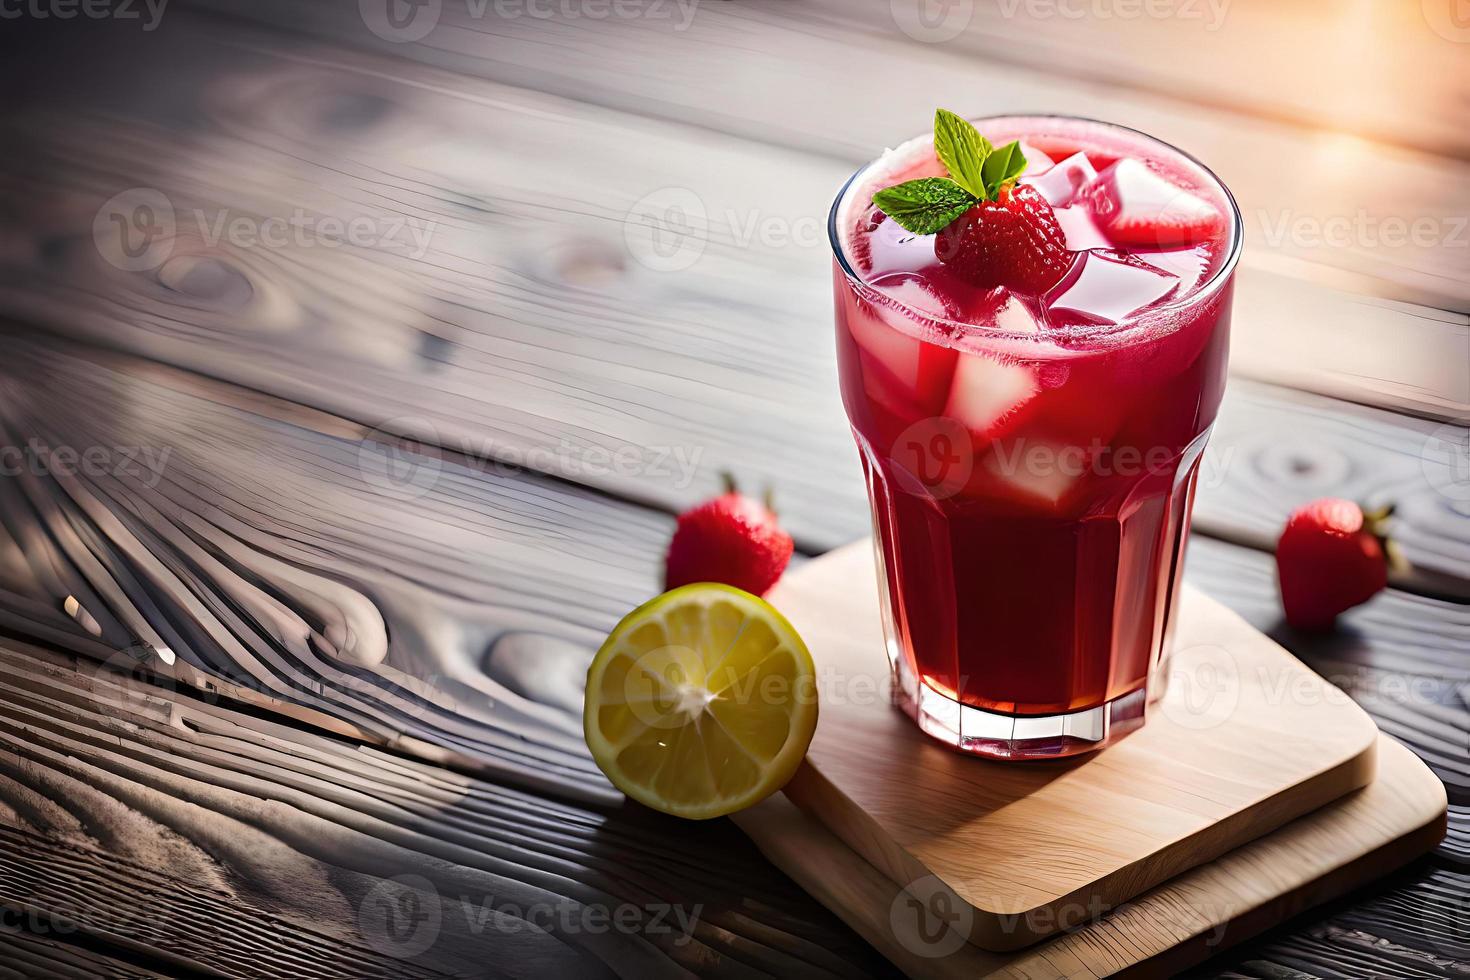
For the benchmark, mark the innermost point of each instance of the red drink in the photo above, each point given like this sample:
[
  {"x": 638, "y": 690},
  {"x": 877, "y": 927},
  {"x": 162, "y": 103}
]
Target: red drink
[{"x": 1031, "y": 458}]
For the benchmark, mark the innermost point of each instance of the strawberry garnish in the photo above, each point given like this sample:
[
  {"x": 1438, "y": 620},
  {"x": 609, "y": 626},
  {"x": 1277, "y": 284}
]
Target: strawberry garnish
[
  {"x": 1331, "y": 557},
  {"x": 1013, "y": 241},
  {"x": 731, "y": 539},
  {"x": 989, "y": 231}
]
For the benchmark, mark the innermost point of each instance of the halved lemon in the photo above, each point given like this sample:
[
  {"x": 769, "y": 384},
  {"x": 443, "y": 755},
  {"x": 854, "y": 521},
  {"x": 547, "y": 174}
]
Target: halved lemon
[{"x": 701, "y": 702}]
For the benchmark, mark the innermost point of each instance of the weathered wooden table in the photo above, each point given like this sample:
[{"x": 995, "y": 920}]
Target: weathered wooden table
[{"x": 357, "y": 357}]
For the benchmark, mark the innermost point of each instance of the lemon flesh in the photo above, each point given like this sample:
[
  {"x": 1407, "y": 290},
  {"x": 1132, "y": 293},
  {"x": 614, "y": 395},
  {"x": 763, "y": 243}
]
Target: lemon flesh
[{"x": 701, "y": 702}]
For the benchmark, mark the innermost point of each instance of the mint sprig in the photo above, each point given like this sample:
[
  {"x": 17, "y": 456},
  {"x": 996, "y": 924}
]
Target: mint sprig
[
  {"x": 926, "y": 205},
  {"x": 977, "y": 172},
  {"x": 962, "y": 150}
]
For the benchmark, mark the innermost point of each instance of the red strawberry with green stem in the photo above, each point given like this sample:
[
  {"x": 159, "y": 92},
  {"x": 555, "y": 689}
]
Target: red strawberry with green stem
[
  {"x": 732, "y": 539},
  {"x": 988, "y": 229},
  {"x": 1012, "y": 241},
  {"x": 1331, "y": 557}
]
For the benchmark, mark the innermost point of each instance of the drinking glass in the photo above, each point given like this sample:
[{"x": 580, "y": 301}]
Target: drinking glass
[{"x": 1029, "y": 573}]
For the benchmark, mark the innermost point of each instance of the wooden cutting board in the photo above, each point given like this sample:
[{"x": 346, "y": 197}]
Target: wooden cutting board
[
  {"x": 1246, "y": 740},
  {"x": 1320, "y": 856}
]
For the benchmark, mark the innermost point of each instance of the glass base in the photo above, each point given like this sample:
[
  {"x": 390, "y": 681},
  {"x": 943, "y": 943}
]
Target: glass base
[{"x": 1014, "y": 737}]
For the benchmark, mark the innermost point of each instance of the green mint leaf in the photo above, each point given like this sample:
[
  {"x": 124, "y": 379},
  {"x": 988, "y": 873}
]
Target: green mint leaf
[
  {"x": 1003, "y": 166},
  {"x": 962, "y": 150},
  {"x": 926, "y": 205}
]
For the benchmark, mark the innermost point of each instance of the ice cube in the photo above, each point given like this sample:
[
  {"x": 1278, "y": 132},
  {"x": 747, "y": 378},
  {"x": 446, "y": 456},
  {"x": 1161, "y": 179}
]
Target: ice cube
[
  {"x": 1062, "y": 183},
  {"x": 891, "y": 338},
  {"x": 897, "y": 352},
  {"x": 1136, "y": 207},
  {"x": 917, "y": 292},
  {"x": 1189, "y": 264},
  {"x": 1013, "y": 315},
  {"x": 1038, "y": 471},
  {"x": 1036, "y": 161},
  {"x": 1108, "y": 286},
  {"x": 1081, "y": 231},
  {"x": 986, "y": 393},
  {"x": 892, "y": 249}
]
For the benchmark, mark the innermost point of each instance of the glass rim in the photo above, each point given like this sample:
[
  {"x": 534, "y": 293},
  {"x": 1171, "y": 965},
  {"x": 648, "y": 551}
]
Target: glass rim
[{"x": 1199, "y": 295}]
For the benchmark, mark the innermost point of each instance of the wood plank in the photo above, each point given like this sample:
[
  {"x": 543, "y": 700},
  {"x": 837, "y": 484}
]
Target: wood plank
[
  {"x": 1413, "y": 926},
  {"x": 27, "y": 955},
  {"x": 277, "y": 477},
  {"x": 264, "y": 550},
  {"x": 844, "y": 83},
  {"x": 377, "y": 298},
  {"x": 263, "y": 846},
  {"x": 527, "y": 333},
  {"x": 1389, "y": 73},
  {"x": 274, "y": 555},
  {"x": 1274, "y": 449},
  {"x": 158, "y": 726},
  {"x": 1396, "y": 632}
]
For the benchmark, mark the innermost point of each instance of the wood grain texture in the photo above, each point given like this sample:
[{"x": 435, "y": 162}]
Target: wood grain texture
[
  {"x": 530, "y": 321},
  {"x": 24, "y": 956},
  {"x": 1202, "y": 911},
  {"x": 400, "y": 627},
  {"x": 1414, "y": 926},
  {"x": 844, "y": 83},
  {"x": 1304, "y": 63},
  {"x": 1274, "y": 449},
  {"x": 1206, "y": 774},
  {"x": 1396, "y": 633},
  {"x": 268, "y": 553},
  {"x": 529, "y": 332},
  {"x": 267, "y": 850},
  {"x": 104, "y": 399}
]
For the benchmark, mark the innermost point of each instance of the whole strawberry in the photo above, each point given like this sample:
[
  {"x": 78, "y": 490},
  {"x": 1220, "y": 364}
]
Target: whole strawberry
[
  {"x": 731, "y": 539},
  {"x": 1330, "y": 557},
  {"x": 1012, "y": 241},
  {"x": 989, "y": 230}
]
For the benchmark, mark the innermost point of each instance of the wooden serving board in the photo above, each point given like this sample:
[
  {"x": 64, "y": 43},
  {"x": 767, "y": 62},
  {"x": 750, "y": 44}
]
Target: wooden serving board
[
  {"x": 1246, "y": 740},
  {"x": 1320, "y": 856}
]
